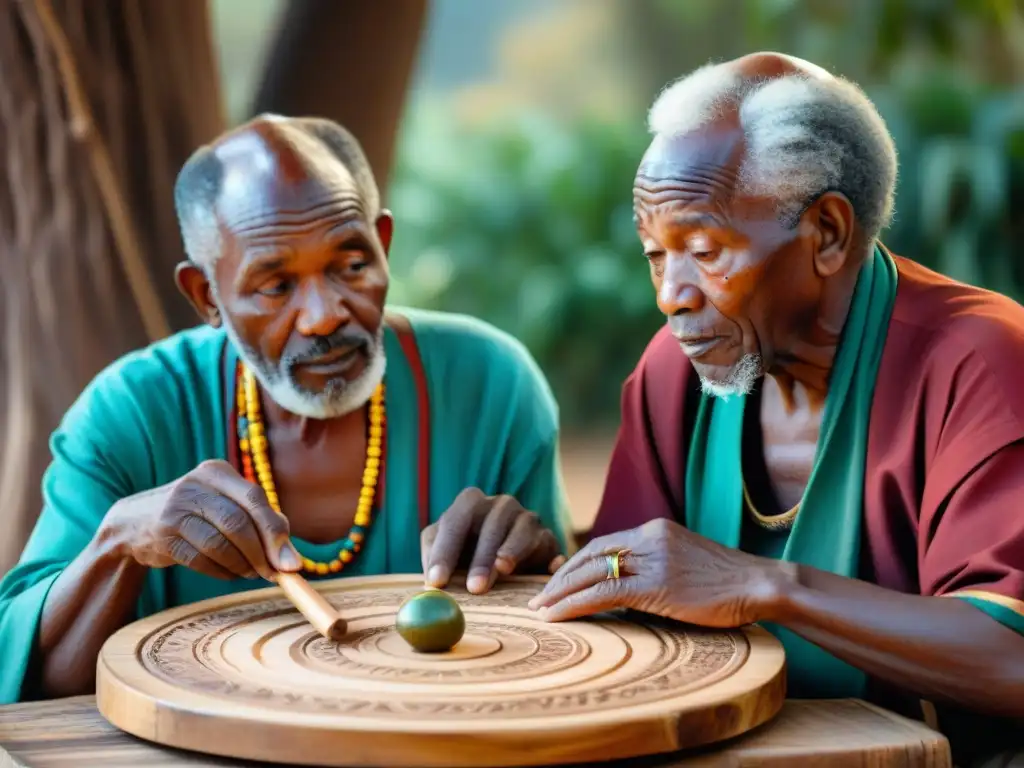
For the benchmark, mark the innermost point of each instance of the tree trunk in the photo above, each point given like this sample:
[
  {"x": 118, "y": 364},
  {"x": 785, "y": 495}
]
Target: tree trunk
[
  {"x": 348, "y": 61},
  {"x": 101, "y": 102}
]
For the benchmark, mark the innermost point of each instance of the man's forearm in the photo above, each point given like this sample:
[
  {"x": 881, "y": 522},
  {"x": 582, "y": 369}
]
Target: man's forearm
[
  {"x": 92, "y": 599},
  {"x": 939, "y": 648}
]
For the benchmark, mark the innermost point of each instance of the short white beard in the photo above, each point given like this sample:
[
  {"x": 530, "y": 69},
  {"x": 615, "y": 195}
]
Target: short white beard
[
  {"x": 741, "y": 380},
  {"x": 339, "y": 399}
]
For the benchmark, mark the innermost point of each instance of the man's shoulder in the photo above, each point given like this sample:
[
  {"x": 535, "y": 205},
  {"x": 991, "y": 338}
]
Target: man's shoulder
[
  {"x": 951, "y": 321},
  {"x": 451, "y": 338},
  {"x": 465, "y": 357},
  {"x": 961, "y": 344},
  {"x": 164, "y": 369}
]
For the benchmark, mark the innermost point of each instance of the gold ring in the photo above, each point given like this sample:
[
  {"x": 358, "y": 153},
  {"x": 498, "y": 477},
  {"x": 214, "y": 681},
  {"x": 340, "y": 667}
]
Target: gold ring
[{"x": 614, "y": 561}]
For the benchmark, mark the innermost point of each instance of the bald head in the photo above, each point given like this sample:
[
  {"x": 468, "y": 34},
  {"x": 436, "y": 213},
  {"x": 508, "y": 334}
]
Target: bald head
[
  {"x": 264, "y": 167},
  {"x": 803, "y": 132},
  {"x": 770, "y": 65}
]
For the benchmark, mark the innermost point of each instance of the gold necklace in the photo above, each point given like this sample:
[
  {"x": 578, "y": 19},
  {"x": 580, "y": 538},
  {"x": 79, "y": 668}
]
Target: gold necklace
[
  {"x": 782, "y": 522},
  {"x": 253, "y": 448}
]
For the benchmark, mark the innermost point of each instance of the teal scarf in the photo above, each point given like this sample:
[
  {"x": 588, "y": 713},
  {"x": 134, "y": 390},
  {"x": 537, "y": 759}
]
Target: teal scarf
[{"x": 826, "y": 532}]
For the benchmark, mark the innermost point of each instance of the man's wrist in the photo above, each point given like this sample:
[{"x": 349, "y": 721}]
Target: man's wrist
[
  {"x": 775, "y": 584},
  {"x": 111, "y": 541}
]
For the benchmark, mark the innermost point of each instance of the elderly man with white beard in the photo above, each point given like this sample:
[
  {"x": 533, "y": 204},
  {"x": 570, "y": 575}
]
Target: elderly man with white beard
[{"x": 301, "y": 428}]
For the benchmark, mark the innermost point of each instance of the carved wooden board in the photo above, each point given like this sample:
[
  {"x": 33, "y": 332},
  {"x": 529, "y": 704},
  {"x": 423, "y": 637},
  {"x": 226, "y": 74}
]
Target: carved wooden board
[{"x": 247, "y": 677}]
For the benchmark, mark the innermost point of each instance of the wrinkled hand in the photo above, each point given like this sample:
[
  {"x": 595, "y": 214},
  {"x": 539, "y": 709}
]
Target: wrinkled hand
[
  {"x": 211, "y": 520},
  {"x": 668, "y": 571},
  {"x": 494, "y": 534}
]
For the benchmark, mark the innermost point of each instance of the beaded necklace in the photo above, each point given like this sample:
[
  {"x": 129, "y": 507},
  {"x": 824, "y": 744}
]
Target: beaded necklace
[{"x": 256, "y": 467}]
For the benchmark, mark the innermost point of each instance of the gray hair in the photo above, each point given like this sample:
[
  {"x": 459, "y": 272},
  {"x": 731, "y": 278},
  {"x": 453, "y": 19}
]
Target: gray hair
[
  {"x": 199, "y": 184},
  {"x": 806, "y": 134},
  {"x": 195, "y": 199}
]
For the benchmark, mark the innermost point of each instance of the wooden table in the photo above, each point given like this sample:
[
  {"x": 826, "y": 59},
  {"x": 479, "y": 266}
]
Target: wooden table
[{"x": 834, "y": 734}]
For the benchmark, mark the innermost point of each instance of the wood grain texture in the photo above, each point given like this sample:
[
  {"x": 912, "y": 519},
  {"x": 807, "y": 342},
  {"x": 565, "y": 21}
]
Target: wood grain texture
[
  {"x": 806, "y": 734},
  {"x": 247, "y": 677},
  {"x": 146, "y": 76}
]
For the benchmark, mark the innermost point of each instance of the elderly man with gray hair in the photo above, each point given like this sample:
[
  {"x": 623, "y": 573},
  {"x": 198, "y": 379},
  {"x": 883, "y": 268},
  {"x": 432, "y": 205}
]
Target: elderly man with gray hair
[
  {"x": 837, "y": 451},
  {"x": 304, "y": 426}
]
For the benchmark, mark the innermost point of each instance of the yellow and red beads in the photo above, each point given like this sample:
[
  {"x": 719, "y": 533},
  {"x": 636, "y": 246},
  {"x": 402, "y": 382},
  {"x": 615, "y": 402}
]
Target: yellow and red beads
[{"x": 252, "y": 445}]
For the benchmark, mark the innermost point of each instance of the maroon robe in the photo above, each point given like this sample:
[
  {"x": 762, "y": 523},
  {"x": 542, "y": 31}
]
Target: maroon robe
[{"x": 944, "y": 477}]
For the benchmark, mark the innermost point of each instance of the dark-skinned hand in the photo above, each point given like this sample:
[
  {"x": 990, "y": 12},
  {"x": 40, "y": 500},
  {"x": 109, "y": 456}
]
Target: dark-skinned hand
[
  {"x": 491, "y": 535},
  {"x": 668, "y": 571},
  {"x": 211, "y": 520}
]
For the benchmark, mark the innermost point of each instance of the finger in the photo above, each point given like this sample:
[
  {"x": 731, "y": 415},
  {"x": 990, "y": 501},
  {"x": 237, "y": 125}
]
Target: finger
[
  {"x": 543, "y": 551},
  {"x": 559, "y": 576},
  {"x": 596, "y": 549},
  {"x": 272, "y": 528},
  {"x": 426, "y": 544},
  {"x": 562, "y": 585},
  {"x": 520, "y": 543},
  {"x": 237, "y": 526},
  {"x": 547, "y": 552},
  {"x": 603, "y": 596},
  {"x": 187, "y": 556},
  {"x": 499, "y": 520},
  {"x": 210, "y": 542},
  {"x": 452, "y": 530}
]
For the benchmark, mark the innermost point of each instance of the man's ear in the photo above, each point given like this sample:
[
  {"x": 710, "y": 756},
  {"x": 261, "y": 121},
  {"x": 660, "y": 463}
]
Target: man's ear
[
  {"x": 195, "y": 286},
  {"x": 385, "y": 229},
  {"x": 833, "y": 220}
]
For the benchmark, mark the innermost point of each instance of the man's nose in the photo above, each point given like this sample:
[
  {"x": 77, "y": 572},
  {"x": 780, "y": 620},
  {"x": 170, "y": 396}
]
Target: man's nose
[
  {"x": 322, "y": 310},
  {"x": 679, "y": 292}
]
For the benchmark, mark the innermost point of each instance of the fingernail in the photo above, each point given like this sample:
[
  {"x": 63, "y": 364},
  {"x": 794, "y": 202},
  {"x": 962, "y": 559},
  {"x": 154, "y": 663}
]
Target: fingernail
[
  {"x": 557, "y": 563},
  {"x": 438, "y": 576},
  {"x": 504, "y": 565},
  {"x": 477, "y": 583},
  {"x": 543, "y": 614},
  {"x": 290, "y": 558}
]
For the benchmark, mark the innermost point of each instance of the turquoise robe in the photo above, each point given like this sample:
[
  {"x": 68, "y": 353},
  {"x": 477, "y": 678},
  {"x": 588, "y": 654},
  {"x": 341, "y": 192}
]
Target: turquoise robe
[{"x": 156, "y": 414}]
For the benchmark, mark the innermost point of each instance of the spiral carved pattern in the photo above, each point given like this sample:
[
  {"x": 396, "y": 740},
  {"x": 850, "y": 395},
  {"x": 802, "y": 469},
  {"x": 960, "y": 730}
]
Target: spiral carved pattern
[{"x": 509, "y": 663}]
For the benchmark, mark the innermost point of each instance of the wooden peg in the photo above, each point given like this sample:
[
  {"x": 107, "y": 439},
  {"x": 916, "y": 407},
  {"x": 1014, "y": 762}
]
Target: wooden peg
[{"x": 311, "y": 604}]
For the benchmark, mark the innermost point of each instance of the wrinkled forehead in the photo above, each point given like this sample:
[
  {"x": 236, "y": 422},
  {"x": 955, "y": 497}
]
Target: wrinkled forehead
[
  {"x": 275, "y": 170},
  {"x": 709, "y": 156},
  {"x": 695, "y": 180}
]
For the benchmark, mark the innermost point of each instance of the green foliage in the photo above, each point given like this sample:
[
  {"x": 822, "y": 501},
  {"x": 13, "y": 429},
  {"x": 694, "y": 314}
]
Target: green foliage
[
  {"x": 962, "y": 177},
  {"x": 529, "y": 226},
  {"x": 864, "y": 39}
]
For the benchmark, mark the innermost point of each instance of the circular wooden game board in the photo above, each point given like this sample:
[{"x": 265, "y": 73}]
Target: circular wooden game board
[{"x": 247, "y": 677}]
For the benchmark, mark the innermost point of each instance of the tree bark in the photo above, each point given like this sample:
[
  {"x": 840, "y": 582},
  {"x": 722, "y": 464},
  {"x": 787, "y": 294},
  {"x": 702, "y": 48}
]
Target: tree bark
[
  {"x": 101, "y": 102},
  {"x": 349, "y": 61}
]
